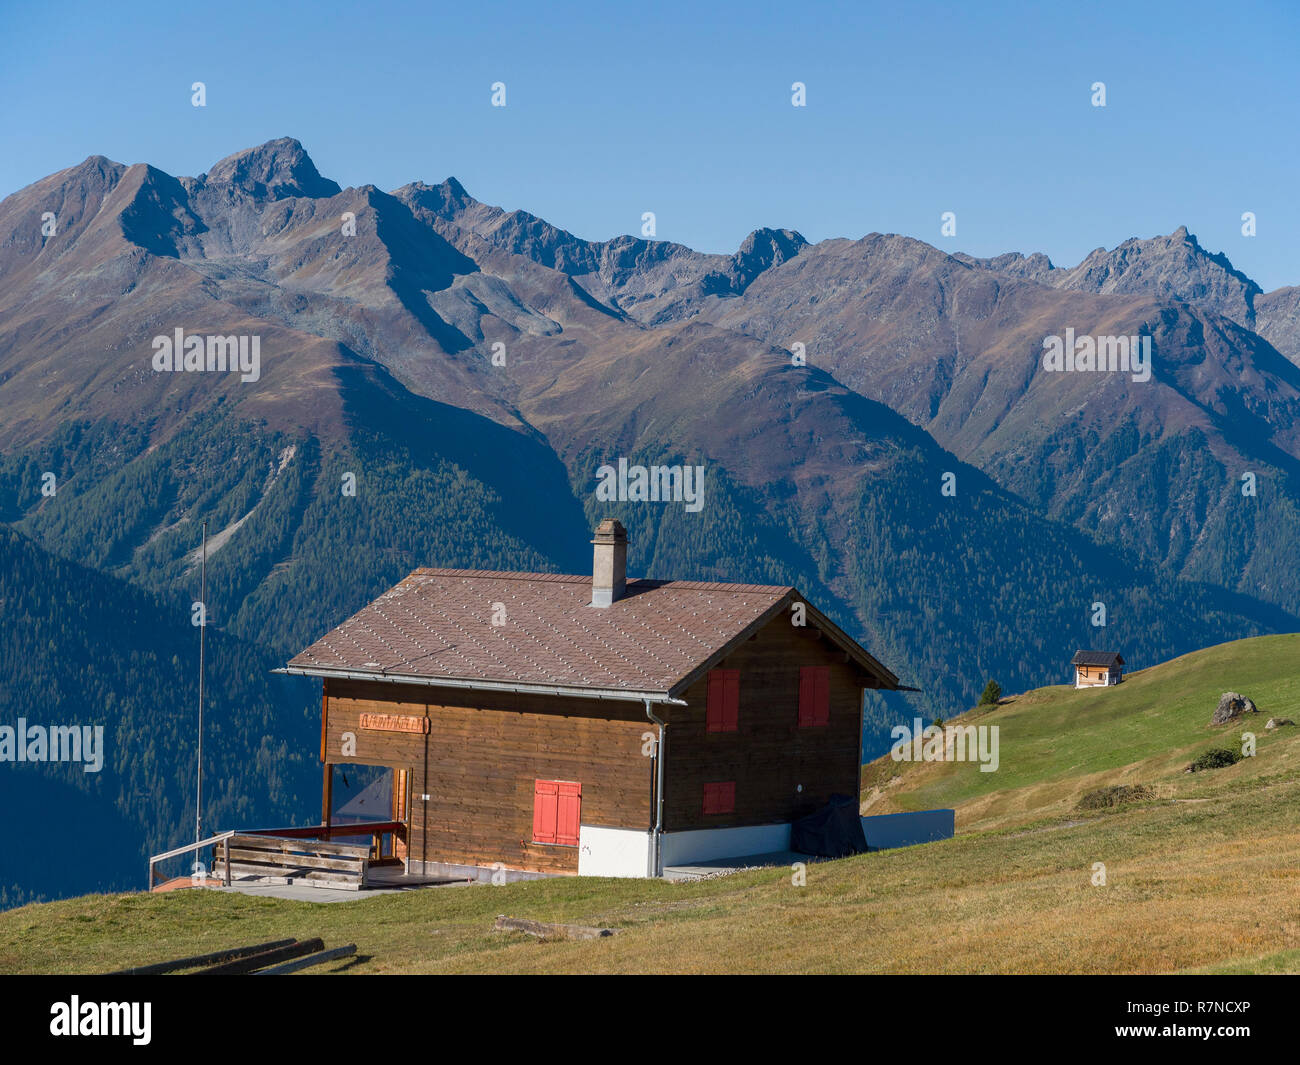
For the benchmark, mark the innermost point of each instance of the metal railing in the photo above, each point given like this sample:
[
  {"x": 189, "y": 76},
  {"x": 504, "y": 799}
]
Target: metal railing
[{"x": 211, "y": 841}]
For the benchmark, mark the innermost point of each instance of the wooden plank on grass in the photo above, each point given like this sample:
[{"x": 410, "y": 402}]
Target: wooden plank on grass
[
  {"x": 260, "y": 961},
  {"x": 543, "y": 930},
  {"x": 202, "y": 959},
  {"x": 309, "y": 961}
]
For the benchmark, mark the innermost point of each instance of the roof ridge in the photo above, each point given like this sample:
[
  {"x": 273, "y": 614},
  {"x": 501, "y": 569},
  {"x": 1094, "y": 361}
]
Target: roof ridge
[
  {"x": 667, "y": 583},
  {"x": 501, "y": 575}
]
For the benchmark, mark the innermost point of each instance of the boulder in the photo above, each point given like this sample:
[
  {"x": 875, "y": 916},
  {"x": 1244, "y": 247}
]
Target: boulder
[
  {"x": 1232, "y": 705},
  {"x": 1277, "y": 722}
]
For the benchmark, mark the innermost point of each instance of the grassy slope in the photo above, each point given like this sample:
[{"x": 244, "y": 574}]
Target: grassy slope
[
  {"x": 1203, "y": 878},
  {"x": 1057, "y": 743}
]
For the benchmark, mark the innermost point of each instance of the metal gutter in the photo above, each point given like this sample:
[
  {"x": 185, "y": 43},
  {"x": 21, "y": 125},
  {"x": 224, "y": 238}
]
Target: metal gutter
[
  {"x": 656, "y": 868},
  {"x": 486, "y": 685}
]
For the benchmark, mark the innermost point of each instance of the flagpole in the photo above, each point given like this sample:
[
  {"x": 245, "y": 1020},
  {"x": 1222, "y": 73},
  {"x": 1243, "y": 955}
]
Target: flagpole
[{"x": 203, "y": 624}]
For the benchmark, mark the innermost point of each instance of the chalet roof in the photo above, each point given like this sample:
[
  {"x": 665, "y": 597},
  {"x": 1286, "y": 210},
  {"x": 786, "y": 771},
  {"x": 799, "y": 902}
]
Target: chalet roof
[
  {"x": 1097, "y": 658},
  {"x": 436, "y": 627}
]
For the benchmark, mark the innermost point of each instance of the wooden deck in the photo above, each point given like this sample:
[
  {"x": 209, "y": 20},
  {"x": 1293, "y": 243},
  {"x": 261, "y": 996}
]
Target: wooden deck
[{"x": 314, "y": 855}]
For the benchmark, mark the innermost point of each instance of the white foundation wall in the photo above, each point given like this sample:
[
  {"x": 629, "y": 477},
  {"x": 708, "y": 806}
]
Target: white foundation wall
[
  {"x": 614, "y": 851},
  {"x": 706, "y": 844}
]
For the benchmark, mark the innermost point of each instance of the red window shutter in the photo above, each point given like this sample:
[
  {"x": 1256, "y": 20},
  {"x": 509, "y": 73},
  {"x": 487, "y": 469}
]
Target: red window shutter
[
  {"x": 722, "y": 709},
  {"x": 731, "y": 700},
  {"x": 807, "y": 696},
  {"x": 545, "y": 811},
  {"x": 814, "y": 696},
  {"x": 720, "y": 797},
  {"x": 713, "y": 702},
  {"x": 569, "y": 814},
  {"x": 557, "y": 811}
]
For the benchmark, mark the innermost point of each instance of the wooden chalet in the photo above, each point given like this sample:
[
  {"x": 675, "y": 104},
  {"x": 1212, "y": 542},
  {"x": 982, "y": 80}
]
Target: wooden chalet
[
  {"x": 544, "y": 724},
  {"x": 1097, "y": 669}
]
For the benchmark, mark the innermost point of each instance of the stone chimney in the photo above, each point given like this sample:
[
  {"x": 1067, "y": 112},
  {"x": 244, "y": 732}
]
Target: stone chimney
[{"x": 609, "y": 571}]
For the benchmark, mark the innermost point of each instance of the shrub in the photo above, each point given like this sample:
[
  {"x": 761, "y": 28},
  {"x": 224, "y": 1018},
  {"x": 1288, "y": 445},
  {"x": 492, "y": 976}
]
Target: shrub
[
  {"x": 992, "y": 693},
  {"x": 1215, "y": 758}
]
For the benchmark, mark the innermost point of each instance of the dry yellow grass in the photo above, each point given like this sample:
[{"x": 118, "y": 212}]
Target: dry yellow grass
[{"x": 1213, "y": 884}]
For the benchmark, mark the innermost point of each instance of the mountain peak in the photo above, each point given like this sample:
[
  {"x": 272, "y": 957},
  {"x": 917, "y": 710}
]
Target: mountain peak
[
  {"x": 92, "y": 166},
  {"x": 763, "y": 249},
  {"x": 786, "y": 242},
  {"x": 275, "y": 170},
  {"x": 1174, "y": 266}
]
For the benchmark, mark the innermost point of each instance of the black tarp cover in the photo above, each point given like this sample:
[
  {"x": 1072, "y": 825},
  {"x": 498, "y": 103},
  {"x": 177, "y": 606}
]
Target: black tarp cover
[{"x": 834, "y": 831}]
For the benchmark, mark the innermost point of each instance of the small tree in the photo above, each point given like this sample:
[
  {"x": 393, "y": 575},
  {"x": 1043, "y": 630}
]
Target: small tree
[
  {"x": 992, "y": 693},
  {"x": 1216, "y": 758}
]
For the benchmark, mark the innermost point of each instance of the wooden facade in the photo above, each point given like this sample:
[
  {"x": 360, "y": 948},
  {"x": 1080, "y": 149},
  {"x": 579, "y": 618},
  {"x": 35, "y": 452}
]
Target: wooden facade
[
  {"x": 1097, "y": 669},
  {"x": 1096, "y": 676},
  {"x": 481, "y": 758},
  {"x": 781, "y": 771},
  {"x": 467, "y": 762}
]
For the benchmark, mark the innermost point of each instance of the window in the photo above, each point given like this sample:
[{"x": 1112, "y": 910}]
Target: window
[
  {"x": 814, "y": 696},
  {"x": 557, "y": 807},
  {"x": 720, "y": 797},
  {"x": 723, "y": 700}
]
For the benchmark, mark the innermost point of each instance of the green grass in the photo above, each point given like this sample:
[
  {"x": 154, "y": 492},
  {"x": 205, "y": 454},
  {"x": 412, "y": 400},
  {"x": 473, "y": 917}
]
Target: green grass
[
  {"x": 1201, "y": 878},
  {"x": 1057, "y": 743}
]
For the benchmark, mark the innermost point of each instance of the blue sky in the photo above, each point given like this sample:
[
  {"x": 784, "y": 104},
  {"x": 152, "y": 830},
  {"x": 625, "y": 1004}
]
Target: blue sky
[{"x": 684, "y": 110}]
